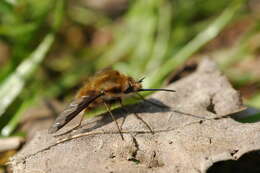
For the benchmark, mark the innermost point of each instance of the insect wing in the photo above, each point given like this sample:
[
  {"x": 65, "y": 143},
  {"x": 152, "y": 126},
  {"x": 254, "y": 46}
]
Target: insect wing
[{"x": 73, "y": 109}]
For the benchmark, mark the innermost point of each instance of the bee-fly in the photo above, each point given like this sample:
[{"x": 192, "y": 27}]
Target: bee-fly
[{"x": 106, "y": 87}]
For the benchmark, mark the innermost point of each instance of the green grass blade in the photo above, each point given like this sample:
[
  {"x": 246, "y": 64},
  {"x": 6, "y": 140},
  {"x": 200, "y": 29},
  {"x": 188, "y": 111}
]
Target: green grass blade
[
  {"x": 12, "y": 124},
  {"x": 14, "y": 84},
  {"x": 58, "y": 14},
  {"x": 194, "y": 45},
  {"x": 163, "y": 36}
]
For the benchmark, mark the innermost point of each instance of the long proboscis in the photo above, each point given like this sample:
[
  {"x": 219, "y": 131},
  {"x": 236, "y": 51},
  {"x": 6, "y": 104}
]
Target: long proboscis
[{"x": 168, "y": 90}]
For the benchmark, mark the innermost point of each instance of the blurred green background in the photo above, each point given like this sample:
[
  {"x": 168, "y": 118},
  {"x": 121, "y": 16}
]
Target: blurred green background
[{"x": 48, "y": 48}]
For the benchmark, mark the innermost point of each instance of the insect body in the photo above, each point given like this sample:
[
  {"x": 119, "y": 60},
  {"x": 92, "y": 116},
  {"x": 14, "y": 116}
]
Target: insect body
[{"x": 104, "y": 88}]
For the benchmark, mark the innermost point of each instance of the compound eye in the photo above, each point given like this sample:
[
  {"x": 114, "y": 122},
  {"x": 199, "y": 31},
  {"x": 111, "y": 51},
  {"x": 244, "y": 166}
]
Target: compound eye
[
  {"x": 141, "y": 80},
  {"x": 129, "y": 89}
]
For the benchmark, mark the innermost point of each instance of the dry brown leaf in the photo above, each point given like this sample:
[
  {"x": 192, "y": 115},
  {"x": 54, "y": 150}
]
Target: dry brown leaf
[{"x": 181, "y": 143}]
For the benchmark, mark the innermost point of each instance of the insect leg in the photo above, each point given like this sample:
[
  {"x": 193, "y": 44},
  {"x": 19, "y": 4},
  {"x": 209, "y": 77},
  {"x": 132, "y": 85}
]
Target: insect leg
[
  {"x": 114, "y": 119},
  {"x": 138, "y": 117},
  {"x": 73, "y": 128},
  {"x": 80, "y": 121}
]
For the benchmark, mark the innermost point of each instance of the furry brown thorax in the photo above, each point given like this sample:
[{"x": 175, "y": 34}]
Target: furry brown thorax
[{"x": 113, "y": 84}]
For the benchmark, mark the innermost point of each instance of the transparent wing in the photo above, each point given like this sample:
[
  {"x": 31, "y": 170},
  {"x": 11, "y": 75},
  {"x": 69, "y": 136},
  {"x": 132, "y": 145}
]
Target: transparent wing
[{"x": 72, "y": 110}]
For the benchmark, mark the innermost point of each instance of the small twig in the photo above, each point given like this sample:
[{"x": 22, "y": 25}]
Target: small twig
[
  {"x": 75, "y": 137},
  {"x": 10, "y": 143},
  {"x": 139, "y": 131}
]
